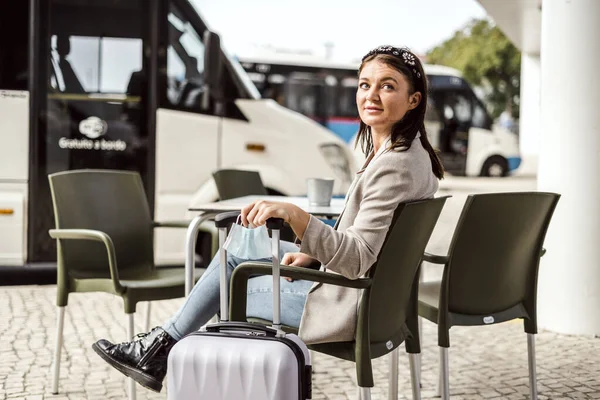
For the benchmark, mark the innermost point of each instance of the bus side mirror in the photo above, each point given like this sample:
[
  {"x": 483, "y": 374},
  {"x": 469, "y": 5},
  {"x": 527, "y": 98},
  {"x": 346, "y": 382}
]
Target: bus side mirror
[{"x": 212, "y": 68}]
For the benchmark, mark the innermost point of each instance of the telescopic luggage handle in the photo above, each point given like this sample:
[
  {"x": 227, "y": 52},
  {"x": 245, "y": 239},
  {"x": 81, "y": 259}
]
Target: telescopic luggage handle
[{"x": 222, "y": 221}]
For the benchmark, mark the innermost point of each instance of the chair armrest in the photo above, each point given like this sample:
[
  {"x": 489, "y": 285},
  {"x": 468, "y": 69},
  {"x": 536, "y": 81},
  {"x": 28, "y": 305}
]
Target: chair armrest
[
  {"x": 170, "y": 224},
  {"x": 99, "y": 236},
  {"x": 244, "y": 271},
  {"x": 435, "y": 259}
]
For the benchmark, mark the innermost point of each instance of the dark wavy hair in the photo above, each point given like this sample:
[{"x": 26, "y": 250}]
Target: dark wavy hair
[{"x": 413, "y": 122}]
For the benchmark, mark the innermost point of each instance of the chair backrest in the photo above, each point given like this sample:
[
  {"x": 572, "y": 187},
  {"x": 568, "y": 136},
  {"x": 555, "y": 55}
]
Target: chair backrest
[
  {"x": 110, "y": 201},
  {"x": 233, "y": 183},
  {"x": 394, "y": 273},
  {"x": 495, "y": 251}
]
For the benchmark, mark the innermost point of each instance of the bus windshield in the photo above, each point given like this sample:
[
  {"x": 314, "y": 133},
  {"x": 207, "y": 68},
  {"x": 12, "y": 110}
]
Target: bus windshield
[{"x": 239, "y": 71}]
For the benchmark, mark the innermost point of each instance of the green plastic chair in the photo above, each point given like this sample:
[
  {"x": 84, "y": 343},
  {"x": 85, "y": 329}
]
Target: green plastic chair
[
  {"x": 388, "y": 308},
  {"x": 105, "y": 239},
  {"x": 232, "y": 183},
  {"x": 490, "y": 272}
]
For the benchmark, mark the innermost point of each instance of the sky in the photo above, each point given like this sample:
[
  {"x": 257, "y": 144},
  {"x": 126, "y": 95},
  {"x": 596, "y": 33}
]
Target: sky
[{"x": 353, "y": 27}]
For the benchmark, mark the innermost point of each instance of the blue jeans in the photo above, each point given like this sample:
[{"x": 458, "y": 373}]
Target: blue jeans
[{"x": 203, "y": 301}]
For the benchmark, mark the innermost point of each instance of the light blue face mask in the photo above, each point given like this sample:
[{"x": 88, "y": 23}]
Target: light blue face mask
[{"x": 248, "y": 243}]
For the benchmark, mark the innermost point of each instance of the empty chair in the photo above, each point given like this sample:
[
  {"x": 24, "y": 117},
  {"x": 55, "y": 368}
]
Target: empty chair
[
  {"x": 105, "y": 244},
  {"x": 490, "y": 272},
  {"x": 233, "y": 183}
]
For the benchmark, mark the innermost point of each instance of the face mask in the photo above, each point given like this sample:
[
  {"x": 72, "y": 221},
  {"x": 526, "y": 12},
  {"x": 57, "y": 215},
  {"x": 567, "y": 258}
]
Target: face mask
[{"x": 248, "y": 243}]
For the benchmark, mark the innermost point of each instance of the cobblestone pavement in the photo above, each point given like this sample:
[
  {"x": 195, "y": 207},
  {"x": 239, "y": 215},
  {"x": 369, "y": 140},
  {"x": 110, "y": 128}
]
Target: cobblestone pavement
[{"x": 485, "y": 362}]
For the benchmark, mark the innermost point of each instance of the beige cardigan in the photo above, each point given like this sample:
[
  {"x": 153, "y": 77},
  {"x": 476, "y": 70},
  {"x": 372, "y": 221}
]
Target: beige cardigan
[{"x": 390, "y": 177}]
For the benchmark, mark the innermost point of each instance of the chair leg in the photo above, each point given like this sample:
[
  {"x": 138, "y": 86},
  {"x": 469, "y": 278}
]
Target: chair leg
[
  {"x": 419, "y": 356},
  {"x": 532, "y": 371},
  {"x": 393, "y": 375},
  {"x": 132, "y": 394},
  {"x": 415, "y": 375},
  {"x": 365, "y": 393},
  {"x": 443, "y": 389},
  {"x": 438, "y": 386},
  {"x": 358, "y": 392},
  {"x": 60, "y": 320},
  {"x": 148, "y": 312},
  {"x": 420, "y": 319}
]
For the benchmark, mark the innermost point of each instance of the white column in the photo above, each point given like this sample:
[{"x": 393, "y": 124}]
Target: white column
[
  {"x": 569, "y": 281},
  {"x": 529, "y": 120}
]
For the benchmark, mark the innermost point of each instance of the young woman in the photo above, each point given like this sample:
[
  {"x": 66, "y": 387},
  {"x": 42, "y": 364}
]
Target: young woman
[{"x": 401, "y": 166}]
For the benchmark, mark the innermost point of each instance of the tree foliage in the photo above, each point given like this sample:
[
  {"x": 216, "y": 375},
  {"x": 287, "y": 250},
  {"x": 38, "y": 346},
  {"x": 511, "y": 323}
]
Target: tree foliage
[{"x": 486, "y": 59}]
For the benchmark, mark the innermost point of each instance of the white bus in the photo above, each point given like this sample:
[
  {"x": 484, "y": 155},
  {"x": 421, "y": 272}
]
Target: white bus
[
  {"x": 119, "y": 84},
  {"x": 457, "y": 122}
]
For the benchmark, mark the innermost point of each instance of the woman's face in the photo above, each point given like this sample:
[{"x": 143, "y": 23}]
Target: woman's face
[{"x": 383, "y": 96}]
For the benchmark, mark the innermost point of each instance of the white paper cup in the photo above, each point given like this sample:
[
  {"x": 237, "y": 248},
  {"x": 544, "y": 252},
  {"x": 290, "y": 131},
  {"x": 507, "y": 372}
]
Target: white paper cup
[{"x": 319, "y": 191}]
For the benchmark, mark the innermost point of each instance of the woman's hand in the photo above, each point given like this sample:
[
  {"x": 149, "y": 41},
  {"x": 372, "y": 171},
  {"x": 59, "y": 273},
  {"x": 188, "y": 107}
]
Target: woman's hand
[
  {"x": 258, "y": 212},
  {"x": 297, "y": 260}
]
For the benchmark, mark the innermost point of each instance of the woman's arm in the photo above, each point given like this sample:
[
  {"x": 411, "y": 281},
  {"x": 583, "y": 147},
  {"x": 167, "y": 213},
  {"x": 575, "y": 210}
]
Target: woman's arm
[{"x": 351, "y": 253}]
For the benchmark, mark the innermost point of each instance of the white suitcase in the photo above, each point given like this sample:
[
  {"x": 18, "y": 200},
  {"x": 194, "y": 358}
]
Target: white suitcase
[{"x": 237, "y": 360}]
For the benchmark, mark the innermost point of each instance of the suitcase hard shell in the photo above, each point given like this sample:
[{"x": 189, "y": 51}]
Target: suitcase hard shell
[{"x": 239, "y": 360}]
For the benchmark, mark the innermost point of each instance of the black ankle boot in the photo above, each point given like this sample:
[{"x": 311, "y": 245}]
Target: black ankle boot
[{"x": 144, "y": 359}]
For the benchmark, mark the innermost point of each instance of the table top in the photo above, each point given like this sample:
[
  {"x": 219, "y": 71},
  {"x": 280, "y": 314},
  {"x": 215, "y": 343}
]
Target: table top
[{"x": 333, "y": 210}]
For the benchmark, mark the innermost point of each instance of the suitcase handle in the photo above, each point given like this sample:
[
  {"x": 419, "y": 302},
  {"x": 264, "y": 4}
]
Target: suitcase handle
[
  {"x": 241, "y": 326},
  {"x": 275, "y": 223},
  {"x": 223, "y": 220}
]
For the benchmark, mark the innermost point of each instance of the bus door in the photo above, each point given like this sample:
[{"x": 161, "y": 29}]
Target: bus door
[
  {"x": 451, "y": 115},
  {"x": 92, "y": 106}
]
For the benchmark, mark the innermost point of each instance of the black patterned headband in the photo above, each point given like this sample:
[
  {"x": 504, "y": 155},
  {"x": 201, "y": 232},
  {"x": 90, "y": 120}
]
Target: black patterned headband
[{"x": 401, "y": 53}]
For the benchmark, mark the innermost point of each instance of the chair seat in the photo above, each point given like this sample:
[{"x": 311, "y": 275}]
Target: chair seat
[
  {"x": 429, "y": 300},
  {"x": 159, "y": 278}
]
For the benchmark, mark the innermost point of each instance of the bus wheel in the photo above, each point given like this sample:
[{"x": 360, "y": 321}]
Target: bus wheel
[{"x": 495, "y": 166}]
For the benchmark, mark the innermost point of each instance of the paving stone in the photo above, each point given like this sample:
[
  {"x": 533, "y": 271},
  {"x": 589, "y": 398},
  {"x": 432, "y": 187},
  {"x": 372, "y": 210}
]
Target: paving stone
[{"x": 485, "y": 362}]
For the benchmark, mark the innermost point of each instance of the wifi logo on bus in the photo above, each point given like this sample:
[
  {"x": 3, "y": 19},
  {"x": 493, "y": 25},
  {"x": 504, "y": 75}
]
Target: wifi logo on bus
[{"x": 93, "y": 127}]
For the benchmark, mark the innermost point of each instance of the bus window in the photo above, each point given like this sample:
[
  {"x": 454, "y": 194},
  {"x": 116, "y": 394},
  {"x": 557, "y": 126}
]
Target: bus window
[
  {"x": 274, "y": 88},
  {"x": 14, "y": 45},
  {"x": 330, "y": 96},
  {"x": 433, "y": 123},
  {"x": 84, "y": 64},
  {"x": 347, "y": 99},
  {"x": 185, "y": 63},
  {"x": 302, "y": 99},
  {"x": 447, "y": 82},
  {"x": 184, "y": 79},
  {"x": 481, "y": 119},
  {"x": 458, "y": 106},
  {"x": 431, "y": 114},
  {"x": 456, "y": 110}
]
